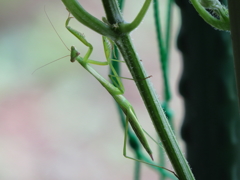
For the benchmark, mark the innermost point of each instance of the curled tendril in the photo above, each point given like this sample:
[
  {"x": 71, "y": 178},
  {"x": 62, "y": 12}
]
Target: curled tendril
[{"x": 218, "y": 18}]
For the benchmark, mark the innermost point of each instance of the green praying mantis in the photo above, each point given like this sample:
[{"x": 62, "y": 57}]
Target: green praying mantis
[
  {"x": 116, "y": 92},
  {"x": 116, "y": 89}
]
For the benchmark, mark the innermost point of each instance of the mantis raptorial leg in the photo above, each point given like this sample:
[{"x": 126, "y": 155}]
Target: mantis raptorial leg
[{"x": 115, "y": 91}]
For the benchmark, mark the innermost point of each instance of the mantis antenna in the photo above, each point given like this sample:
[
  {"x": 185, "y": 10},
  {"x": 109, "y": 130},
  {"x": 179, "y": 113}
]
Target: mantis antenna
[
  {"x": 48, "y": 63},
  {"x": 55, "y": 29},
  {"x": 60, "y": 40}
]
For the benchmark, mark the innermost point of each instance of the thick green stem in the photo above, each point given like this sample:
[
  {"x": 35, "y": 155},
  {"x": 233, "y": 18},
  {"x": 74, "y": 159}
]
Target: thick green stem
[
  {"x": 113, "y": 18},
  {"x": 122, "y": 40},
  {"x": 87, "y": 19},
  {"x": 154, "y": 108}
]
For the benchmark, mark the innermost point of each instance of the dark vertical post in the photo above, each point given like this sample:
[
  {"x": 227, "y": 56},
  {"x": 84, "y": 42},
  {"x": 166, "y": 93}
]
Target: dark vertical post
[
  {"x": 211, "y": 127},
  {"x": 234, "y": 12}
]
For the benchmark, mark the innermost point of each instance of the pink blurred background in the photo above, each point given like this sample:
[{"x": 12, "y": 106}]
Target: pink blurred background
[{"x": 60, "y": 123}]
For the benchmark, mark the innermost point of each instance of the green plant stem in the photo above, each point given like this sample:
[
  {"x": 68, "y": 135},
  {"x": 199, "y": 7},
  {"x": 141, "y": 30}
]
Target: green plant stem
[
  {"x": 154, "y": 108},
  {"x": 162, "y": 50},
  {"x": 163, "y": 46},
  {"x": 115, "y": 18},
  {"x": 144, "y": 86},
  {"x": 149, "y": 97},
  {"x": 128, "y": 27},
  {"x": 169, "y": 17},
  {"x": 137, "y": 170},
  {"x": 132, "y": 139},
  {"x": 234, "y": 13}
]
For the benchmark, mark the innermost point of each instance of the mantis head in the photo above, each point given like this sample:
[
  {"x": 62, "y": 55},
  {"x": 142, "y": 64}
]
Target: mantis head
[{"x": 74, "y": 54}]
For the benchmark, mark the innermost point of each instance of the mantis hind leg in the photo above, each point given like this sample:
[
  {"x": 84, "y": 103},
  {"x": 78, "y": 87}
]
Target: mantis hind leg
[
  {"x": 118, "y": 83},
  {"x": 125, "y": 149},
  {"x": 101, "y": 63}
]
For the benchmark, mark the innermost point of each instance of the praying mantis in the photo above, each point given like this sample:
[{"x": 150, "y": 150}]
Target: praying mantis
[{"x": 115, "y": 91}]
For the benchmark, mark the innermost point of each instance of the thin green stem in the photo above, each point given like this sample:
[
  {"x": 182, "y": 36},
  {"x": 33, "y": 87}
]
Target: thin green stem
[
  {"x": 169, "y": 20},
  {"x": 163, "y": 56},
  {"x": 163, "y": 46},
  {"x": 168, "y": 28},
  {"x": 113, "y": 18},
  {"x": 132, "y": 139},
  {"x": 158, "y": 28},
  {"x": 137, "y": 170},
  {"x": 128, "y": 27},
  {"x": 162, "y": 162}
]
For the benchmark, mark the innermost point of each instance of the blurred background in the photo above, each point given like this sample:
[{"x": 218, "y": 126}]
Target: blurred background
[{"x": 60, "y": 123}]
